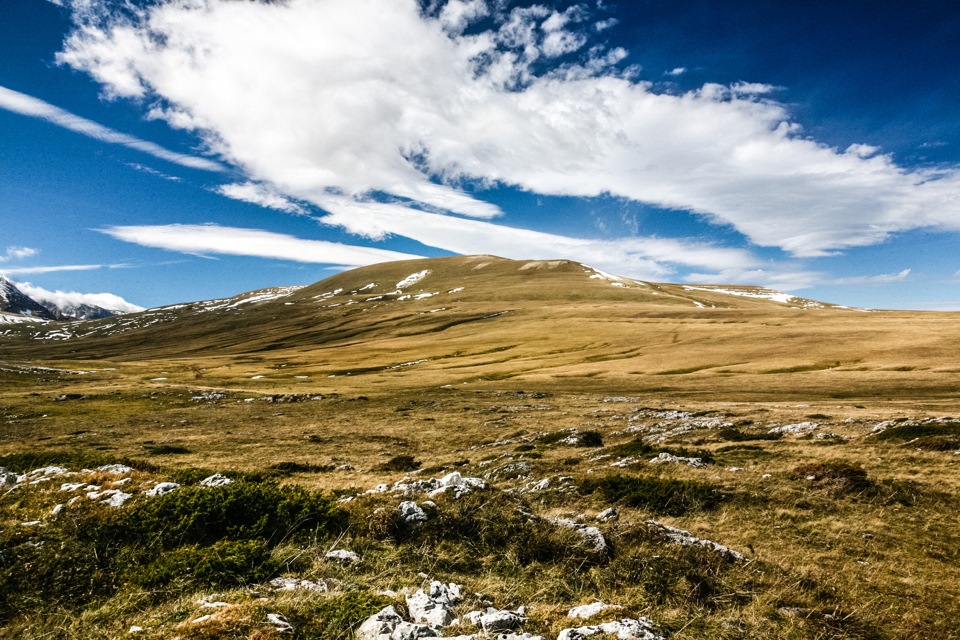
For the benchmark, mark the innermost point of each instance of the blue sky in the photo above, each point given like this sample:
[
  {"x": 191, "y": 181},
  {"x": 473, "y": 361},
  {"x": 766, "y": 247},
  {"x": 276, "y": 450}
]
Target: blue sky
[{"x": 171, "y": 151}]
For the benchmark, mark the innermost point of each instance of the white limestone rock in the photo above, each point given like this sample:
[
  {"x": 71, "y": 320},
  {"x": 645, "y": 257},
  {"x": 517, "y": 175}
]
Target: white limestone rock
[
  {"x": 342, "y": 556},
  {"x": 411, "y": 513},
  {"x": 162, "y": 488},
  {"x": 434, "y": 606},
  {"x": 494, "y": 619},
  {"x": 216, "y": 480},
  {"x": 685, "y": 538},
  {"x": 626, "y": 629},
  {"x": 591, "y": 535}
]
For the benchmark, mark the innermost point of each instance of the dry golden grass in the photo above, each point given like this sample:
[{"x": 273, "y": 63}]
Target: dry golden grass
[{"x": 883, "y": 562}]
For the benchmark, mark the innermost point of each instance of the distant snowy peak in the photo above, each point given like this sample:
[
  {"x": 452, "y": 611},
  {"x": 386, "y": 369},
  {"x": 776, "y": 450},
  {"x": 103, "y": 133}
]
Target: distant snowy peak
[
  {"x": 13, "y": 300},
  {"x": 28, "y": 300}
]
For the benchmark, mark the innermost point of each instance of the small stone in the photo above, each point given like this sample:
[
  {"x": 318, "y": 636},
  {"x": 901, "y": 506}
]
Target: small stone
[
  {"x": 609, "y": 514},
  {"x": 342, "y": 556},
  {"x": 162, "y": 489},
  {"x": 216, "y": 480}
]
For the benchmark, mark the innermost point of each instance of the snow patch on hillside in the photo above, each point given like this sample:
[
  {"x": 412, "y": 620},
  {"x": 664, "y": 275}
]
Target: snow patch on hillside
[
  {"x": 760, "y": 293},
  {"x": 413, "y": 279}
]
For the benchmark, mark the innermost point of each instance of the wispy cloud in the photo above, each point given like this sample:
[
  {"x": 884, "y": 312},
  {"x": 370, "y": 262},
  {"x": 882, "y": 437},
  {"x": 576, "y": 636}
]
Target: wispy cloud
[
  {"x": 29, "y": 106},
  {"x": 153, "y": 172},
  {"x": 18, "y": 253},
  {"x": 214, "y": 239},
  {"x": 381, "y": 97},
  {"x": 61, "y": 267},
  {"x": 884, "y": 278},
  {"x": 71, "y": 299},
  {"x": 678, "y": 71},
  {"x": 639, "y": 257},
  {"x": 259, "y": 194}
]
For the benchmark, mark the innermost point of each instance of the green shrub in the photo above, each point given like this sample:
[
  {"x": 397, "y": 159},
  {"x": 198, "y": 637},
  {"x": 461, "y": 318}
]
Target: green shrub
[
  {"x": 222, "y": 564},
  {"x": 240, "y": 511},
  {"x": 334, "y": 617},
  {"x": 70, "y": 458},
  {"x": 660, "y": 495}
]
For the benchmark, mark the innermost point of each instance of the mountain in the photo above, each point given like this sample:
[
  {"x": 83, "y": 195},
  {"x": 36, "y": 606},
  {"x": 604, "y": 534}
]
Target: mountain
[
  {"x": 40, "y": 304},
  {"x": 466, "y": 320},
  {"x": 12, "y": 300}
]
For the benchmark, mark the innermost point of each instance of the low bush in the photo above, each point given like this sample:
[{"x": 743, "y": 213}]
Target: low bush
[
  {"x": 222, "y": 564},
  {"x": 639, "y": 448},
  {"x": 240, "y": 511},
  {"x": 299, "y": 467},
  {"x": 71, "y": 458},
  {"x": 839, "y": 477},
  {"x": 659, "y": 495},
  {"x": 731, "y": 434},
  {"x": 334, "y": 617},
  {"x": 399, "y": 463},
  {"x": 911, "y": 431}
]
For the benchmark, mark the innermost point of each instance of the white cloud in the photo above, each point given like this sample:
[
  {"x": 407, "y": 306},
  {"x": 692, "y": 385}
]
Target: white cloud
[
  {"x": 29, "y": 106},
  {"x": 18, "y": 253},
  {"x": 377, "y": 96},
  {"x": 648, "y": 258},
  {"x": 678, "y": 71},
  {"x": 153, "y": 172},
  {"x": 457, "y": 14},
  {"x": 60, "y": 267},
  {"x": 885, "y": 278},
  {"x": 213, "y": 239},
  {"x": 259, "y": 194},
  {"x": 72, "y": 299}
]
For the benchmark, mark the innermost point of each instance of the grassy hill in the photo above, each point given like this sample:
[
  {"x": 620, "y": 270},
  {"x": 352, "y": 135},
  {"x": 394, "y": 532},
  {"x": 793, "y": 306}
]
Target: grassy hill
[{"x": 809, "y": 452}]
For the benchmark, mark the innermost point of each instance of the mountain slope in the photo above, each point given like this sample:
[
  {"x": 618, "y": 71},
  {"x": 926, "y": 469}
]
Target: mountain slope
[{"x": 12, "y": 300}]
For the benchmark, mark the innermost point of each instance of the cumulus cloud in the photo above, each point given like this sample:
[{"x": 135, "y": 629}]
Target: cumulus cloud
[
  {"x": 329, "y": 101},
  {"x": 29, "y": 106},
  {"x": 259, "y": 194},
  {"x": 213, "y": 239},
  {"x": 678, "y": 71},
  {"x": 18, "y": 253},
  {"x": 73, "y": 299}
]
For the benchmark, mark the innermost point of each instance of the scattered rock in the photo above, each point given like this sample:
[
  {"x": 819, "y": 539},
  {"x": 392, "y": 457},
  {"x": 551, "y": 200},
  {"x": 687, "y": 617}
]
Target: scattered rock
[
  {"x": 342, "y": 556},
  {"x": 297, "y": 584},
  {"x": 589, "y": 610},
  {"x": 162, "y": 488},
  {"x": 494, "y": 619},
  {"x": 626, "y": 629},
  {"x": 668, "y": 458},
  {"x": 797, "y": 429},
  {"x": 216, "y": 480},
  {"x": 590, "y": 535},
  {"x": 434, "y": 606},
  {"x": 387, "y": 624},
  {"x": 681, "y": 537},
  {"x": 116, "y": 469},
  {"x": 279, "y": 623},
  {"x": 110, "y": 497},
  {"x": 609, "y": 514},
  {"x": 411, "y": 513}
]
